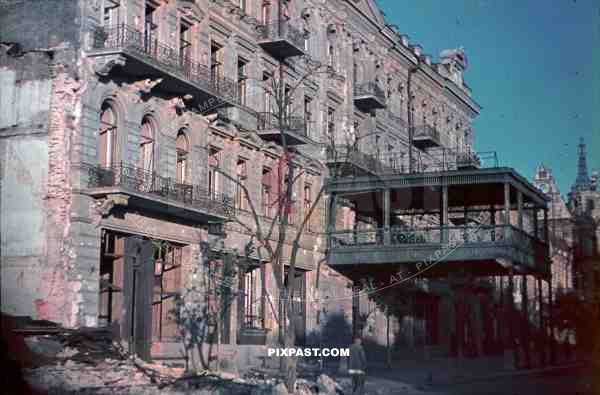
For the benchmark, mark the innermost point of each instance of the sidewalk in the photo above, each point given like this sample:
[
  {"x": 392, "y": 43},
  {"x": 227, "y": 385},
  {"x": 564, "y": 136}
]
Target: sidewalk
[{"x": 446, "y": 371}]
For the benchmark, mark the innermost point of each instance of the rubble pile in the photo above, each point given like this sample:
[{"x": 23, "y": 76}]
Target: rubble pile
[{"x": 90, "y": 361}]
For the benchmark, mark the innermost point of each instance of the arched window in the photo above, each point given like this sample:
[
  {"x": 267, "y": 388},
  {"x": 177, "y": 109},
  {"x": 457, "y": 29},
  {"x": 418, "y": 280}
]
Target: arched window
[
  {"x": 107, "y": 136},
  {"x": 182, "y": 147},
  {"x": 147, "y": 144}
]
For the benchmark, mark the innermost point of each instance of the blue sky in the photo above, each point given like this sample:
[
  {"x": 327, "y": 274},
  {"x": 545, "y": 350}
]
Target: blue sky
[{"x": 534, "y": 66}]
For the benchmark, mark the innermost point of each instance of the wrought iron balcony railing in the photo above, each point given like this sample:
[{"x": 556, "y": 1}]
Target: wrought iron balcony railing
[
  {"x": 145, "y": 46},
  {"x": 135, "y": 179},
  {"x": 459, "y": 236},
  {"x": 369, "y": 95},
  {"x": 468, "y": 159},
  {"x": 289, "y": 38},
  {"x": 292, "y": 123},
  {"x": 342, "y": 154}
]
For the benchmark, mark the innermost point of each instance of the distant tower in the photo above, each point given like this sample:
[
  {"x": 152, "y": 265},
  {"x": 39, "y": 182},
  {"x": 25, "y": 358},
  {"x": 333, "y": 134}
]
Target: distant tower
[{"x": 582, "y": 182}]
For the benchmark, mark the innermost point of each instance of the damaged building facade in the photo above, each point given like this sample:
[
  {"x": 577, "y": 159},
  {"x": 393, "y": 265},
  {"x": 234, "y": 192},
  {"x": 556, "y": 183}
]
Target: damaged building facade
[{"x": 128, "y": 126}]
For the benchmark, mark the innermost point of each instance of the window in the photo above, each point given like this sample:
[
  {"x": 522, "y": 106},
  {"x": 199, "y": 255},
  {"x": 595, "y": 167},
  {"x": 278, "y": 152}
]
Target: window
[
  {"x": 167, "y": 287},
  {"x": 216, "y": 62},
  {"x": 267, "y": 91},
  {"x": 308, "y": 114},
  {"x": 265, "y": 12},
  {"x": 331, "y": 55},
  {"x": 241, "y": 201},
  {"x": 354, "y": 72},
  {"x": 306, "y": 35},
  {"x": 307, "y": 203},
  {"x": 252, "y": 292},
  {"x": 287, "y": 203},
  {"x": 185, "y": 44},
  {"x": 181, "y": 145},
  {"x": 213, "y": 175},
  {"x": 241, "y": 80},
  {"x": 110, "y": 13},
  {"x": 150, "y": 27},
  {"x": 330, "y": 122},
  {"x": 288, "y": 99},
  {"x": 107, "y": 136},
  {"x": 242, "y": 5},
  {"x": 266, "y": 192},
  {"x": 147, "y": 144}
]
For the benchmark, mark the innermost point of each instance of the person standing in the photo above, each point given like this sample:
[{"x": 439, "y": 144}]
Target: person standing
[{"x": 357, "y": 366}]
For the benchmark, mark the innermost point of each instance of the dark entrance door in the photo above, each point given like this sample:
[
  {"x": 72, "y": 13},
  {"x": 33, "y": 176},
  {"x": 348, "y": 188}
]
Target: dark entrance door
[
  {"x": 138, "y": 280},
  {"x": 298, "y": 313}
]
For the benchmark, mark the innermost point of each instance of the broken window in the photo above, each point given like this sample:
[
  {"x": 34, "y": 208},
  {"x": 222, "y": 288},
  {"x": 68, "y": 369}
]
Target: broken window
[
  {"x": 241, "y": 201},
  {"x": 110, "y": 13},
  {"x": 213, "y": 175},
  {"x": 242, "y": 78},
  {"x": 107, "y": 136},
  {"x": 111, "y": 278},
  {"x": 167, "y": 288},
  {"x": 182, "y": 148},
  {"x": 185, "y": 44},
  {"x": 216, "y": 62},
  {"x": 147, "y": 144},
  {"x": 266, "y": 192},
  {"x": 252, "y": 293},
  {"x": 150, "y": 26}
]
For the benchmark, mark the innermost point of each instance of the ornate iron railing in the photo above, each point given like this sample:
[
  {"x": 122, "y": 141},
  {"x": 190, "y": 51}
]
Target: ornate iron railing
[
  {"x": 145, "y": 45},
  {"x": 436, "y": 235},
  {"x": 270, "y": 121},
  {"x": 369, "y": 89},
  {"x": 469, "y": 158},
  {"x": 135, "y": 179},
  {"x": 281, "y": 29}
]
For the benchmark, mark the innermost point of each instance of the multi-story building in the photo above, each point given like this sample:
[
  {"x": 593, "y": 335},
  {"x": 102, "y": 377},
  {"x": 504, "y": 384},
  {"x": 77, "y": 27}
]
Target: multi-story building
[{"x": 128, "y": 126}]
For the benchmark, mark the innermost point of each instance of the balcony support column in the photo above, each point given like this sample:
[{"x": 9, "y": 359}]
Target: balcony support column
[
  {"x": 545, "y": 224},
  {"x": 541, "y": 338},
  {"x": 444, "y": 222},
  {"x": 386, "y": 217},
  {"x": 520, "y": 209},
  {"x": 525, "y": 327},
  {"x": 551, "y": 339},
  {"x": 506, "y": 219},
  {"x": 332, "y": 214},
  {"x": 535, "y": 223},
  {"x": 511, "y": 355}
]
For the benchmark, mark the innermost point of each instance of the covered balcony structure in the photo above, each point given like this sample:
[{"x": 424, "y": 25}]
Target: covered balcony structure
[{"x": 482, "y": 222}]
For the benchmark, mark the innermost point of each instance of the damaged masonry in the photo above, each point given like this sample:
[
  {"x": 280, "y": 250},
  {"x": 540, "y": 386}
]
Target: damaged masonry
[{"x": 214, "y": 196}]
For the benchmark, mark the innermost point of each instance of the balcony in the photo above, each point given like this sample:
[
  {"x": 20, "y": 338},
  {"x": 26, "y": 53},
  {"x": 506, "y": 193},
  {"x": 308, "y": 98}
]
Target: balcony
[
  {"x": 148, "y": 190},
  {"x": 468, "y": 160},
  {"x": 271, "y": 128},
  {"x": 489, "y": 246},
  {"x": 426, "y": 136},
  {"x": 146, "y": 57},
  {"x": 369, "y": 96},
  {"x": 281, "y": 40},
  {"x": 352, "y": 161}
]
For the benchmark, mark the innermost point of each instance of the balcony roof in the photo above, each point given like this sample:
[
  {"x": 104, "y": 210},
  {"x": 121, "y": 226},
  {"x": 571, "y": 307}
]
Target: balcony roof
[{"x": 471, "y": 186}]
